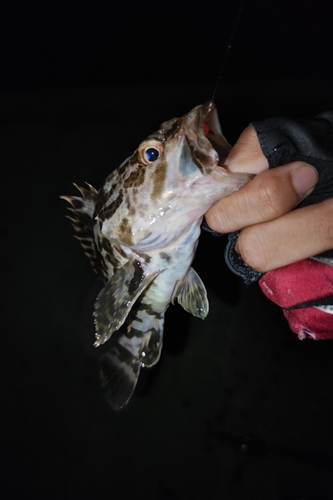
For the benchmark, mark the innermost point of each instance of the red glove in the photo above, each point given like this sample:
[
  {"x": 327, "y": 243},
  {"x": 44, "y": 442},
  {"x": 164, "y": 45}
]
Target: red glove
[{"x": 304, "y": 291}]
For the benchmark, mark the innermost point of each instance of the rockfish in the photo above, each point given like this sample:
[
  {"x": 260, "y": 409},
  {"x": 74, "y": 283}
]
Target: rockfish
[{"x": 140, "y": 231}]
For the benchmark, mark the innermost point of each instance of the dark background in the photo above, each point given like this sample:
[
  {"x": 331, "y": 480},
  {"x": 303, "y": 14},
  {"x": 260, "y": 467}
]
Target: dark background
[
  {"x": 238, "y": 407},
  {"x": 66, "y": 43}
]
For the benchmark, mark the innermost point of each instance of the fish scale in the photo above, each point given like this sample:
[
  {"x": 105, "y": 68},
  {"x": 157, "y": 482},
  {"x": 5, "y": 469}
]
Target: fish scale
[{"x": 141, "y": 230}]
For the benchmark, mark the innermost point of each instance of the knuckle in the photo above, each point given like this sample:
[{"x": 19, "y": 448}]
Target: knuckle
[
  {"x": 252, "y": 250},
  {"x": 270, "y": 202},
  {"x": 324, "y": 224},
  {"x": 211, "y": 220},
  {"x": 216, "y": 218}
]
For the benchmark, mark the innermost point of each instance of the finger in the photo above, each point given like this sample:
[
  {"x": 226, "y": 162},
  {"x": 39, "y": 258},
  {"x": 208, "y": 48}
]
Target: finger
[
  {"x": 246, "y": 155},
  {"x": 269, "y": 195},
  {"x": 295, "y": 236}
]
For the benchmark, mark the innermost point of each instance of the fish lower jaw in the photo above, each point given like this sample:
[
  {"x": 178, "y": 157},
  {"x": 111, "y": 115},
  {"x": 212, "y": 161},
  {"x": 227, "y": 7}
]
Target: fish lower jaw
[
  {"x": 221, "y": 174},
  {"x": 218, "y": 184},
  {"x": 216, "y": 174}
]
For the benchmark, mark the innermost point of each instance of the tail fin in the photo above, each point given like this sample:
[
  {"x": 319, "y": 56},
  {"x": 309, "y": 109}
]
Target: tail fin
[
  {"x": 119, "y": 373},
  {"x": 131, "y": 350},
  {"x": 83, "y": 219}
]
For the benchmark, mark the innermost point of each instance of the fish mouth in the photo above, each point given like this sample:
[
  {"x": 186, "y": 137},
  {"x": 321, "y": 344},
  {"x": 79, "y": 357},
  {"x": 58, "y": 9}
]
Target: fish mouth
[
  {"x": 208, "y": 147},
  {"x": 212, "y": 129},
  {"x": 204, "y": 137}
]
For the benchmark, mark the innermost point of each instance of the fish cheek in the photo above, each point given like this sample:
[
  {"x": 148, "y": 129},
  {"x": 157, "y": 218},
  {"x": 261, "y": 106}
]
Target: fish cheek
[
  {"x": 159, "y": 179},
  {"x": 136, "y": 177}
]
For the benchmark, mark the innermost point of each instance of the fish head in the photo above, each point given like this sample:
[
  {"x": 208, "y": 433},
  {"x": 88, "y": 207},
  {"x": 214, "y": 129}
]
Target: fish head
[
  {"x": 169, "y": 182},
  {"x": 183, "y": 150}
]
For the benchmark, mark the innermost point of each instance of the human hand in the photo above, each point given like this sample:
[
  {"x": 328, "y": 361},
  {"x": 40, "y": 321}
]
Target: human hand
[{"x": 273, "y": 234}]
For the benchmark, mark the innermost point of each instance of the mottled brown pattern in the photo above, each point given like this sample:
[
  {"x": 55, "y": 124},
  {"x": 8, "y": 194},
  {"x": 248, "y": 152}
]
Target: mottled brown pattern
[
  {"x": 120, "y": 170},
  {"x": 123, "y": 226},
  {"x": 136, "y": 178},
  {"x": 134, "y": 332},
  {"x": 131, "y": 206},
  {"x": 101, "y": 200},
  {"x": 113, "y": 187},
  {"x": 159, "y": 179},
  {"x": 149, "y": 310},
  {"x": 173, "y": 130},
  {"x": 137, "y": 277},
  {"x": 110, "y": 257},
  {"x": 125, "y": 231},
  {"x": 110, "y": 252},
  {"x": 109, "y": 210},
  {"x": 157, "y": 137},
  {"x": 144, "y": 256},
  {"x": 165, "y": 256},
  {"x": 202, "y": 160},
  {"x": 102, "y": 267}
]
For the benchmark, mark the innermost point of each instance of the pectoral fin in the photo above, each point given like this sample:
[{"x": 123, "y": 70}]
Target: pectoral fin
[
  {"x": 192, "y": 295},
  {"x": 116, "y": 299}
]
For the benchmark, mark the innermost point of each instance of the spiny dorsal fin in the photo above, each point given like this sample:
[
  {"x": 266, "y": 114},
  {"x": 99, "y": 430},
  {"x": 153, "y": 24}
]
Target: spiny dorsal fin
[
  {"x": 192, "y": 295},
  {"x": 82, "y": 219}
]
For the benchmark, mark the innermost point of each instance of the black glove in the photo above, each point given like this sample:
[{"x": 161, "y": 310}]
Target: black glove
[{"x": 303, "y": 289}]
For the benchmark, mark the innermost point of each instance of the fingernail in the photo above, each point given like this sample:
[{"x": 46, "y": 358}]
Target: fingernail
[
  {"x": 252, "y": 163},
  {"x": 233, "y": 163},
  {"x": 304, "y": 179}
]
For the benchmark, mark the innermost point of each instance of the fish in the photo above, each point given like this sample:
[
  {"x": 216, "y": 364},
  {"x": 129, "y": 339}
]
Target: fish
[{"x": 140, "y": 231}]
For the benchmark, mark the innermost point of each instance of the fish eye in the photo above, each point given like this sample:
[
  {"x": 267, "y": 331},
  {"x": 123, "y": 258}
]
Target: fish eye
[
  {"x": 151, "y": 154},
  {"x": 149, "y": 151}
]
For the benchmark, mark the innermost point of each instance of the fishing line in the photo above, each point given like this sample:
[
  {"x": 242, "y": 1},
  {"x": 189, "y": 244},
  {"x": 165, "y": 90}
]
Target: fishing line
[
  {"x": 235, "y": 26},
  {"x": 229, "y": 45}
]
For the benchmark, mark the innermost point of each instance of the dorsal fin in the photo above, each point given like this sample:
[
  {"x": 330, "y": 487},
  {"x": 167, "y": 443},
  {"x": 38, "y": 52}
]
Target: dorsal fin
[{"x": 82, "y": 219}]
